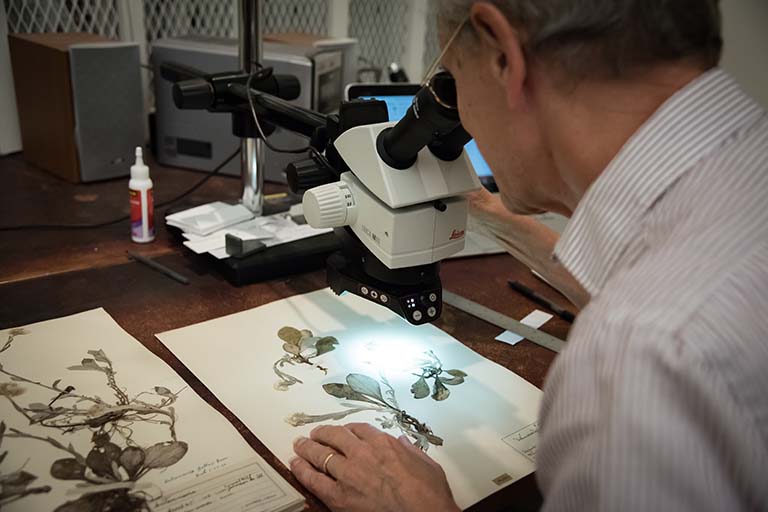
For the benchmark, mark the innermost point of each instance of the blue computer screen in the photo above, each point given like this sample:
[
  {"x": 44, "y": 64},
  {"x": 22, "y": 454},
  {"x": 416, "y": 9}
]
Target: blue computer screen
[{"x": 398, "y": 105}]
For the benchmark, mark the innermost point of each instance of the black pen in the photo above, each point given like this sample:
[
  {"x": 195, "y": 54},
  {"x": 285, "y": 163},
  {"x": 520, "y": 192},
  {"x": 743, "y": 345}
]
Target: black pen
[
  {"x": 538, "y": 299},
  {"x": 157, "y": 266}
]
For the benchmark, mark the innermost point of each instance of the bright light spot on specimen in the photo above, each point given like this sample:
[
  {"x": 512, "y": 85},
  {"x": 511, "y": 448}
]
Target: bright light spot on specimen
[{"x": 391, "y": 352}]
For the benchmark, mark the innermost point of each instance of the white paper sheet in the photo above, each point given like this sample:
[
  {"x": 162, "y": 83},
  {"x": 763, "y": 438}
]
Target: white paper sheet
[
  {"x": 208, "y": 218},
  {"x": 140, "y": 416},
  {"x": 480, "y": 422},
  {"x": 535, "y": 319}
]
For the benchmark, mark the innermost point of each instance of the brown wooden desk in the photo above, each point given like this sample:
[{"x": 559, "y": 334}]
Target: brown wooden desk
[{"x": 47, "y": 274}]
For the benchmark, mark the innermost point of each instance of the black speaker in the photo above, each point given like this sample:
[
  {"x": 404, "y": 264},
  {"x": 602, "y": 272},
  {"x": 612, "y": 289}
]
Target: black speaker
[{"x": 108, "y": 107}]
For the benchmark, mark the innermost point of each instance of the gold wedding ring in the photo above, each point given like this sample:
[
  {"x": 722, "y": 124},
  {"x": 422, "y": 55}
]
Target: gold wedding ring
[{"x": 325, "y": 462}]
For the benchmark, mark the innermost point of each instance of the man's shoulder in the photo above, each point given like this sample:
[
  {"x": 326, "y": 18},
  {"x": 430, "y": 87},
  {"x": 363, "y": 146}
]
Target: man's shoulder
[
  {"x": 696, "y": 243},
  {"x": 705, "y": 303}
]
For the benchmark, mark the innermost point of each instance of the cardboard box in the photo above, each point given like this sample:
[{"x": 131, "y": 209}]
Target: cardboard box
[{"x": 41, "y": 76}]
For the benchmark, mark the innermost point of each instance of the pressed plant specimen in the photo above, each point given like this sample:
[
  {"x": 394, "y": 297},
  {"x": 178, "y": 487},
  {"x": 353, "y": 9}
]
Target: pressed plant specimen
[
  {"x": 432, "y": 368},
  {"x": 367, "y": 395},
  {"x": 300, "y": 347},
  {"x": 17, "y": 484},
  {"x": 12, "y": 336},
  {"x": 107, "y": 475}
]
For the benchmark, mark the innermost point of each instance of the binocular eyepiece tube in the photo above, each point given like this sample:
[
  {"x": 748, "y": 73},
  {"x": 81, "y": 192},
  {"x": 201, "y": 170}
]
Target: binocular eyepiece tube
[{"x": 432, "y": 120}]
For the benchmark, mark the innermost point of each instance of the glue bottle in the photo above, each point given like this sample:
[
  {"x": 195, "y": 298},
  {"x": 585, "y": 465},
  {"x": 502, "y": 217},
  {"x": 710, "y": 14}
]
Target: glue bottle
[{"x": 140, "y": 192}]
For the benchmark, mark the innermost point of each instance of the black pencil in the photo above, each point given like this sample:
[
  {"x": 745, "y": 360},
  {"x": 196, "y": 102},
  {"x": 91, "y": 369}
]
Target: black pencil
[
  {"x": 538, "y": 299},
  {"x": 160, "y": 268}
]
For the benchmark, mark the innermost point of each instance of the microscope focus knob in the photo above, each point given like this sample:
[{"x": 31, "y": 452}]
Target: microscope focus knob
[{"x": 329, "y": 206}]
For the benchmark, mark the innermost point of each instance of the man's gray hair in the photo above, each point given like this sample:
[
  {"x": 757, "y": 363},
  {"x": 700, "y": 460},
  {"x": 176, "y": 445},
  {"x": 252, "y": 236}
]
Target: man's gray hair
[{"x": 609, "y": 38}]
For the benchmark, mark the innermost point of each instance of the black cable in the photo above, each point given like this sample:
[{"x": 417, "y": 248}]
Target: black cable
[
  {"x": 124, "y": 217},
  {"x": 201, "y": 182},
  {"x": 262, "y": 73}
]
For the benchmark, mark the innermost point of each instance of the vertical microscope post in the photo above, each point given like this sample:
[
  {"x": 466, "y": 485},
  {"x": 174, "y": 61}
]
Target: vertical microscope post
[{"x": 252, "y": 149}]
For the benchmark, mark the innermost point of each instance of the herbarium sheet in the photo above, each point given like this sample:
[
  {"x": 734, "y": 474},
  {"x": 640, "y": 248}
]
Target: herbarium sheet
[
  {"x": 92, "y": 421},
  {"x": 288, "y": 366}
]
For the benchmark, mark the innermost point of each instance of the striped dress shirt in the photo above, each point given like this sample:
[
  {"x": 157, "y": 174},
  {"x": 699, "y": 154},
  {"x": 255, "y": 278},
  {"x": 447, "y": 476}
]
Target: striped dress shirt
[{"x": 660, "y": 400}]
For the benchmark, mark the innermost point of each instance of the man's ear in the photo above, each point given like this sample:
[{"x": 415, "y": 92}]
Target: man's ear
[{"x": 501, "y": 43}]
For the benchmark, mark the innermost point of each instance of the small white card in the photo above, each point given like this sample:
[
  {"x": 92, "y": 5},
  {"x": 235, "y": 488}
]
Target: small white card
[{"x": 535, "y": 319}]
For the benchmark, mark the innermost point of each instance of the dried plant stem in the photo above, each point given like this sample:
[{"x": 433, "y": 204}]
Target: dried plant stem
[
  {"x": 19, "y": 409},
  {"x": 23, "y": 435},
  {"x": 69, "y": 394},
  {"x": 304, "y": 360},
  {"x": 299, "y": 418},
  {"x": 7, "y": 344}
]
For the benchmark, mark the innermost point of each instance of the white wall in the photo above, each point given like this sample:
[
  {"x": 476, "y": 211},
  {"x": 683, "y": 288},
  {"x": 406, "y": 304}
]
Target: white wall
[
  {"x": 10, "y": 137},
  {"x": 745, "y": 32}
]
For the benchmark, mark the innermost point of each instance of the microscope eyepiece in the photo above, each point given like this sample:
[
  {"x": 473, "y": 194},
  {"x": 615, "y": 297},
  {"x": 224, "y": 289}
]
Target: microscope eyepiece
[{"x": 432, "y": 116}]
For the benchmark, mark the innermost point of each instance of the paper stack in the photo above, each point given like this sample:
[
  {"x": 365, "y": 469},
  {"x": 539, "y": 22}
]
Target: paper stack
[
  {"x": 205, "y": 219},
  {"x": 206, "y": 227}
]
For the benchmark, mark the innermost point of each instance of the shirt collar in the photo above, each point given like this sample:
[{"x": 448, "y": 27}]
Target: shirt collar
[{"x": 688, "y": 127}]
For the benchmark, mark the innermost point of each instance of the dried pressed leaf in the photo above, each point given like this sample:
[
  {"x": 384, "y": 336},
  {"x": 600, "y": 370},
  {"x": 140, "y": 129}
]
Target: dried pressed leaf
[
  {"x": 67, "y": 469},
  {"x": 420, "y": 388},
  {"x": 440, "y": 392},
  {"x": 101, "y": 464},
  {"x": 87, "y": 364},
  {"x": 162, "y": 391},
  {"x": 18, "y": 480},
  {"x": 11, "y": 389},
  {"x": 306, "y": 333},
  {"x": 132, "y": 459},
  {"x": 326, "y": 344},
  {"x": 162, "y": 455},
  {"x": 289, "y": 335},
  {"x": 291, "y": 349},
  {"x": 344, "y": 391},
  {"x": 456, "y": 373},
  {"x": 299, "y": 418},
  {"x": 100, "y": 356},
  {"x": 435, "y": 440},
  {"x": 308, "y": 350},
  {"x": 365, "y": 385},
  {"x": 116, "y": 500},
  {"x": 452, "y": 381}
]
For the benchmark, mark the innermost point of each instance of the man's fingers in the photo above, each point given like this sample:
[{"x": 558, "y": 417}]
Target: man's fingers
[
  {"x": 364, "y": 431},
  {"x": 416, "y": 450},
  {"x": 339, "y": 438},
  {"x": 317, "y": 483},
  {"x": 408, "y": 444},
  {"x": 317, "y": 454}
]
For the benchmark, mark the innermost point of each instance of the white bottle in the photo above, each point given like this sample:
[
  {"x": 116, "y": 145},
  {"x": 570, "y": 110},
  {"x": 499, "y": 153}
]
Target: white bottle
[{"x": 142, "y": 211}]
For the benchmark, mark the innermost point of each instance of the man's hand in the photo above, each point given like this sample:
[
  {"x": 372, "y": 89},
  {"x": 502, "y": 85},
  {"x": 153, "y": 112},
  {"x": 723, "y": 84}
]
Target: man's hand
[{"x": 370, "y": 470}]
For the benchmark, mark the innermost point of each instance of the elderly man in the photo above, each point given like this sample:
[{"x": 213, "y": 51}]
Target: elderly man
[{"x": 615, "y": 114}]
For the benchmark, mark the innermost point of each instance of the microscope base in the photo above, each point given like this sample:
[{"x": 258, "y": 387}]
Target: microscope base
[{"x": 282, "y": 260}]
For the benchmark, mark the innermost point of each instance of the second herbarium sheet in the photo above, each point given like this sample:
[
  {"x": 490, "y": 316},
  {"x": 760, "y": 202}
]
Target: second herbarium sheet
[{"x": 312, "y": 359}]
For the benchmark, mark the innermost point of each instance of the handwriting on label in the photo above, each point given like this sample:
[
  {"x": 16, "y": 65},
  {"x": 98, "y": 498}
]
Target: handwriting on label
[
  {"x": 244, "y": 487},
  {"x": 525, "y": 440}
]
